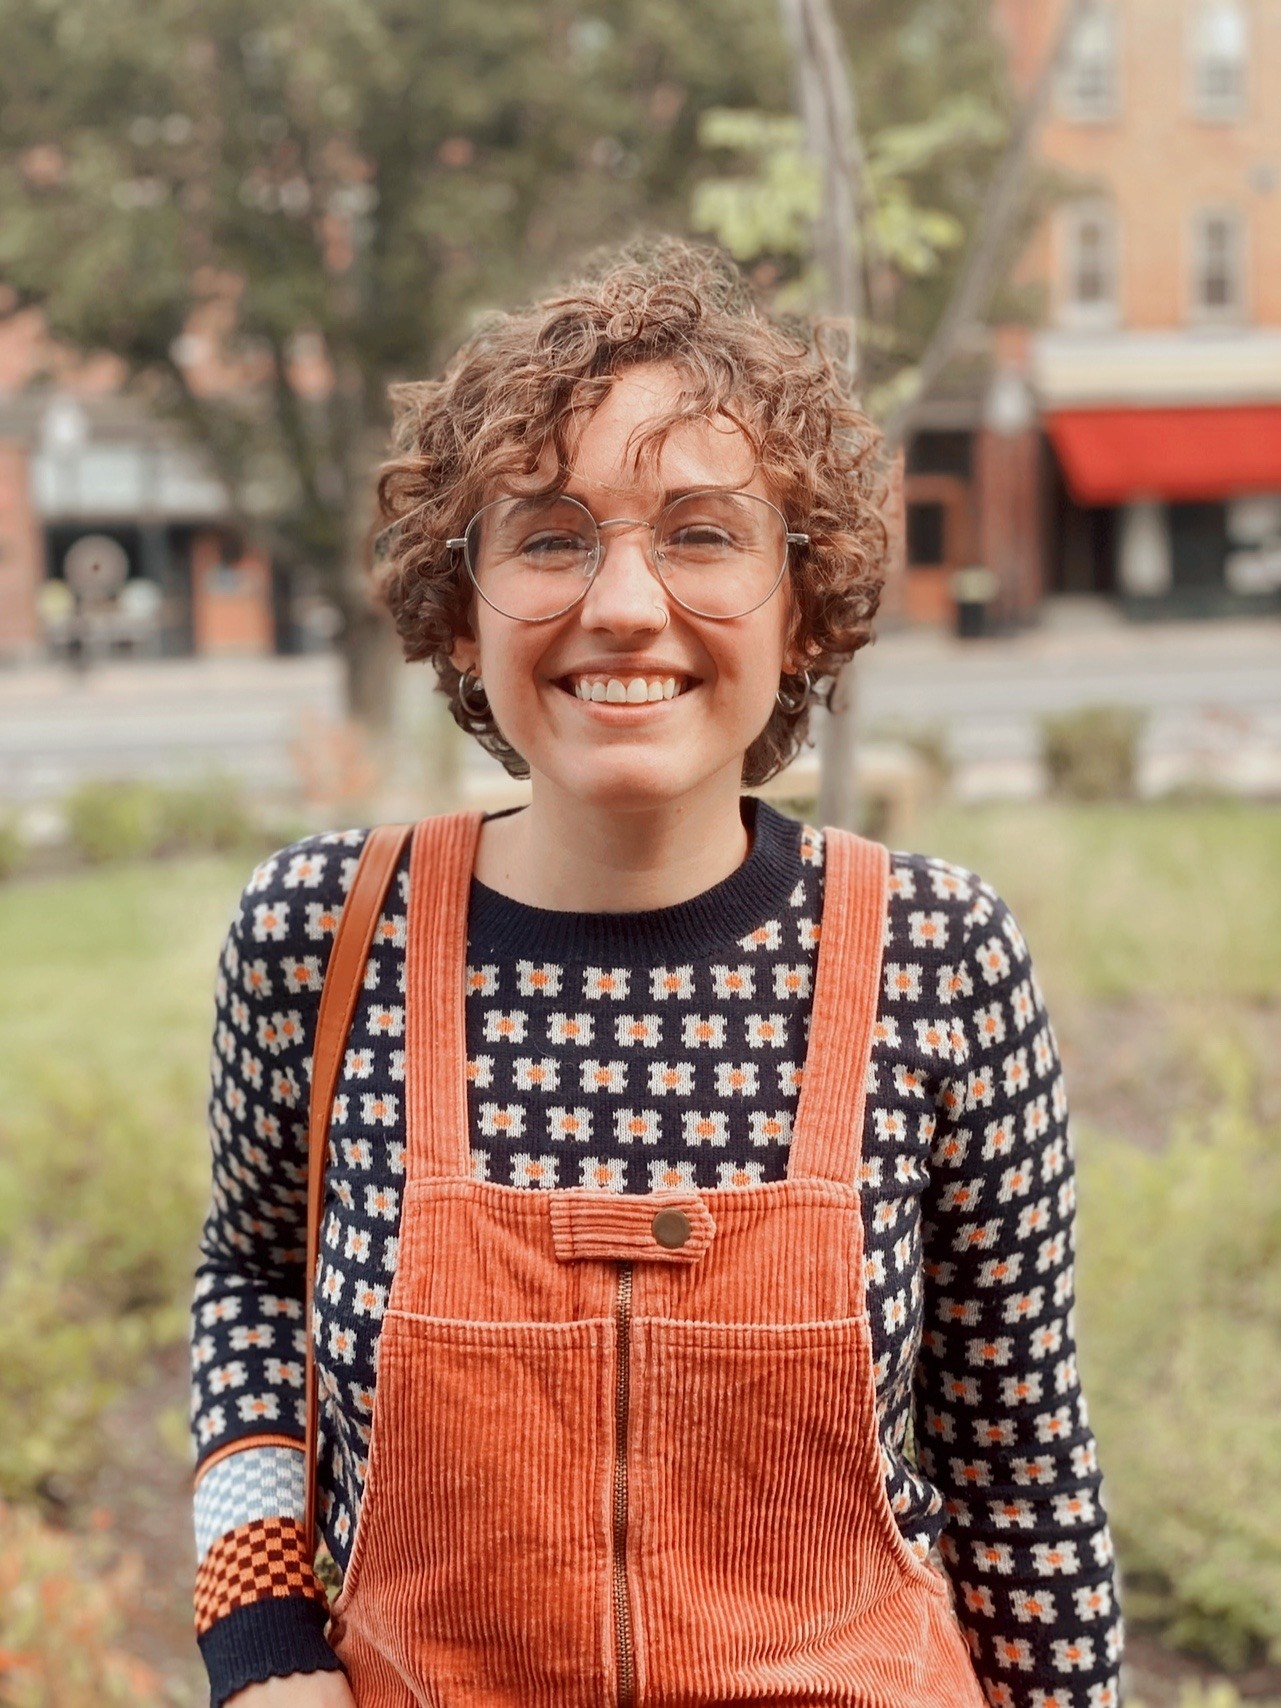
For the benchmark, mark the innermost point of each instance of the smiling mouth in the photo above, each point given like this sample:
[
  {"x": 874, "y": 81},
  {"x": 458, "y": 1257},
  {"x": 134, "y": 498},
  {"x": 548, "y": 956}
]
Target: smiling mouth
[{"x": 626, "y": 690}]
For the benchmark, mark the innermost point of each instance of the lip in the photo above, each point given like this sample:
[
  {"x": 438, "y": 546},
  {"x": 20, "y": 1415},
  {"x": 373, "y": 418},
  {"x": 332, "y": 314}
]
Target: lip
[{"x": 627, "y": 665}]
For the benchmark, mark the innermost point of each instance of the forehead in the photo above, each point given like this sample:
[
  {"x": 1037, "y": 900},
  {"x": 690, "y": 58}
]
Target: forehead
[{"x": 615, "y": 448}]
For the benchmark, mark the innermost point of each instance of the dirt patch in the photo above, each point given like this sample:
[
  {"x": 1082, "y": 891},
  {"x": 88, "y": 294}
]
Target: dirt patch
[
  {"x": 1134, "y": 1069},
  {"x": 1158, "y": 1678}
]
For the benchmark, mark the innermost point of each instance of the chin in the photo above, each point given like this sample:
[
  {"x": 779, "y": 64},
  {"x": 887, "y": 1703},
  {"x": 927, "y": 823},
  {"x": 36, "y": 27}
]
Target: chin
[{"x": 628, "y": 783}]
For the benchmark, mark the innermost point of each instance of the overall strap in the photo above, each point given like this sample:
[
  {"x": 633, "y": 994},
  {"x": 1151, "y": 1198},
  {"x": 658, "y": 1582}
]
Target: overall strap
[
  {"x": 344, "y": 976},
  {"x": 827, "y": 1139},
  {"x": 440, "y": 872}
]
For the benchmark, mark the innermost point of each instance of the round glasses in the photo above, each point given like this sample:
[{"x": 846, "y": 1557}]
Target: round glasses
[{"x": 719, "y": 554}]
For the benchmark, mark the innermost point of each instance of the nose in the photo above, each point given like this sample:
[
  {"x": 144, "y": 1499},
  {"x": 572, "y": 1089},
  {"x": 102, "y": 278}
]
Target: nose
[{"x": 626, "y": 594}]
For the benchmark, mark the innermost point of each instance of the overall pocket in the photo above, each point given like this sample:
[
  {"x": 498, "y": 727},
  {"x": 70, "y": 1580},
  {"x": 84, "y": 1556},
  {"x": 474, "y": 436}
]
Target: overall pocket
[
  {"x": 763, "y": 1559},
  {"x": 480, "y": 1565}
]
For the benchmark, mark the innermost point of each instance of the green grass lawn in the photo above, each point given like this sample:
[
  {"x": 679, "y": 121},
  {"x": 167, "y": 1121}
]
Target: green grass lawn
[
  {"x": 1161, "y": 900},
  {"x": 1130, "y": 912},
  {"x": 110, "y": 978},
  {"x": 105, "y": 1014}
]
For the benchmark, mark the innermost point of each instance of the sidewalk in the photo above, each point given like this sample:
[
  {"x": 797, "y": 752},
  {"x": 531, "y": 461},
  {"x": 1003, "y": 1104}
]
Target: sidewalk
[{"x": 1212, "y": 692}]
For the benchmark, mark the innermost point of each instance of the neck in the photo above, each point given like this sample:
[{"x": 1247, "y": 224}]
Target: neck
[{"x": 574, "y": 856}]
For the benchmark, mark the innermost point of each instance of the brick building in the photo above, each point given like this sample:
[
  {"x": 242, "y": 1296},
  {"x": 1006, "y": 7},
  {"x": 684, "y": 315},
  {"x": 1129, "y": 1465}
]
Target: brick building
[
  {"x": 85, "y": 471},
  {"x": 1130, "y": 447}
]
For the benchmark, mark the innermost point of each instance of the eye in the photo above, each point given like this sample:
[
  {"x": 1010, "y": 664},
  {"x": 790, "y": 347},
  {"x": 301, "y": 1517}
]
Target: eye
[
  {"x": 698, "y": 535},
  {"x": 549, "y": 544}
]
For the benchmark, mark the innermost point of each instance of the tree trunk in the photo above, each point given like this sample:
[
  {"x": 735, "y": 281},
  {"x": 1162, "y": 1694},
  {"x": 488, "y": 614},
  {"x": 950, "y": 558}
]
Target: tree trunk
[
  {"x": 370, "y": 655},
  {"x": 838, "y": 792},
  {"x": 829, "y": 112}
]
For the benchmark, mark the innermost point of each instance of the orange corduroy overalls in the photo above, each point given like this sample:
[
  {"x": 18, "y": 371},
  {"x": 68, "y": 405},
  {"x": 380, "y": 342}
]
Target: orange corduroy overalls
[{"x": 624, "y": 1448}]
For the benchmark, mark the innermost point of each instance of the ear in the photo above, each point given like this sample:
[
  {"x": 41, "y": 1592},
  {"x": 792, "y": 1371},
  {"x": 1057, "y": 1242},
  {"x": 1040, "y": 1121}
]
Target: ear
[
  {"x": 464, "y": 655},
  {"x": 798, "y": 647},
  {"x": 797, "y": 657}
]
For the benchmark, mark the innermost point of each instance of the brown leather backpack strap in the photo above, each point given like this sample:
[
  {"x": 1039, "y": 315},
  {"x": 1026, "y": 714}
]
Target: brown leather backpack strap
[{"x": 344, "y": 976}]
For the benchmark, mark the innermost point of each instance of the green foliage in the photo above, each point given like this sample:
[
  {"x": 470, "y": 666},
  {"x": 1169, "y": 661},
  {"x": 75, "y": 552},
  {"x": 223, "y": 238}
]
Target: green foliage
[
  {"x": 110, "y": 821},
  {"x": 105, "y": 1011},
  {"x": 1092, "y": 754},
  {"x": 933, "y": 116},
  {"x": 63, "y": 1608},
  {"x": 99, "y": 1210},
  {"x": 1156, "y": 901},
  {"x": 211, "y": 817},
  {"x": 1180, "y": 1288},
  {"x": 769, "y": 209},
  {"x": 113, "y": 821},
  {"x": 12, "y": 848},
  {"x": 341, "y": 184}
]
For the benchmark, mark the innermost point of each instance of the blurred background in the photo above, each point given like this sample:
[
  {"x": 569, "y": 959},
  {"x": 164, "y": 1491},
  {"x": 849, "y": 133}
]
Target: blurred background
[{"x": 1048, "y": 233}]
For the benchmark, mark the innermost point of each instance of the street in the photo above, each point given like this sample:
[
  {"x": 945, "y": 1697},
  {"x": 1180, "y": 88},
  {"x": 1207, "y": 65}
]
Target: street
[{"x": 1212, "y": 692}]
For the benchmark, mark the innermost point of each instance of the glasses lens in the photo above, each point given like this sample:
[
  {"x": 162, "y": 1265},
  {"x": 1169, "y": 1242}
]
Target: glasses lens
[
  {"x": 721, "y": 553},
  {"x": 532, "y": 557}
]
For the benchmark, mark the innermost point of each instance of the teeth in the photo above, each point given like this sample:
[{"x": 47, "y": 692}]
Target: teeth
[{"x": 638, "y": 691}]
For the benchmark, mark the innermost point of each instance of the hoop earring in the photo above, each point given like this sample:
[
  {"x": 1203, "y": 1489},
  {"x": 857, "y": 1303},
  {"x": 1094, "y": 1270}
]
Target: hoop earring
[
  {"x": 464, "y": 692},
  {"x": 796, "y": 702}
]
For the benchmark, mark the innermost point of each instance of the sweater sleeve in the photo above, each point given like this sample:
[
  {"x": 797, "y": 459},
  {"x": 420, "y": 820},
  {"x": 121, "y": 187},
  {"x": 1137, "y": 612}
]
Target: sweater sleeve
[
  {"x": 1002, "y": 1425},
  {"x": 260, "y": 1609}
]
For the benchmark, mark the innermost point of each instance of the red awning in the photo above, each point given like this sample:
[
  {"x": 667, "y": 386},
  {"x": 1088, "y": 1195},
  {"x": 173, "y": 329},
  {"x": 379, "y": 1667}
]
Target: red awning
[{"x": 1111, "y": 455}]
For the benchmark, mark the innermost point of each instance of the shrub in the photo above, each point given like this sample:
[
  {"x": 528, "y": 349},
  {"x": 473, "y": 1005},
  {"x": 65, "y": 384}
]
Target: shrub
[
  {"x": 99, "y": 1216},
  {"x": 12, "y": 848},
  {"x": 1092, "y": 755},
  {"x": 62, "y": 1610},
  {"x": 1180, "y": 1323},
  {"x": 114, "y": 821},
  {"x": 210, "y": 817}
]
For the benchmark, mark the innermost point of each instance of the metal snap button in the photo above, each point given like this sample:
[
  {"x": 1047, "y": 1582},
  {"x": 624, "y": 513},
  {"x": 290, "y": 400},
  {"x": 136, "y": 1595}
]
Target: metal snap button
[{"x": 671, "y": 1229}]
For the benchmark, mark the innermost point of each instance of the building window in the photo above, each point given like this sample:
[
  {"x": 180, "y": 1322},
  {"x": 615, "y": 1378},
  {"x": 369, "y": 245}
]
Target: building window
[
  {"x": 1218, "y": 265},
  {"x": 1219, "y": 60},
  {"x": 1091, "y": 295},
  {"x": 1090, "y": 85},
  {"x": 926, "y": 534}
]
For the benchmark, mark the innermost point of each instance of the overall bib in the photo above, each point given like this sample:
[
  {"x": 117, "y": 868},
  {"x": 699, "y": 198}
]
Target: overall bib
[{"x": 624, "y": 1448}]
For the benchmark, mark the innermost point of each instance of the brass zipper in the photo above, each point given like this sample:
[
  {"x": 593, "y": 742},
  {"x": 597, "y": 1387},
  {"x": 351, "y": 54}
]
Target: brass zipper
[{"x": 622, "y": 1613}]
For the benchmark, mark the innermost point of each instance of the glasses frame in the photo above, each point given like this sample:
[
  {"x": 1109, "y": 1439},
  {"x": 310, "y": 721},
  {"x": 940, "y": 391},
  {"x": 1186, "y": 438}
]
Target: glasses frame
[{"x": 462, "y": 542}]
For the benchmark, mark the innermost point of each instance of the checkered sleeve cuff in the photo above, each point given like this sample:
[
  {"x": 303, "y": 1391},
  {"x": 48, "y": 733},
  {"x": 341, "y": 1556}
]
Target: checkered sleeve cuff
[
  {"x": 266, "y": 1639},
  {"x": 266, "y": 1560}
]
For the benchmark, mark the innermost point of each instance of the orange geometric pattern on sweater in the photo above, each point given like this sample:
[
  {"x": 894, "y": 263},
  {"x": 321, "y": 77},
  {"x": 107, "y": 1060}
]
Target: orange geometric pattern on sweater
[{"x": 263, "y": 1561}]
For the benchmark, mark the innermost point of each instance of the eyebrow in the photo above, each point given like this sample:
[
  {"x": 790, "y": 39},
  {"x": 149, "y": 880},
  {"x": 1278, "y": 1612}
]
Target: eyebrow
[{"x": 670, "y": 494}]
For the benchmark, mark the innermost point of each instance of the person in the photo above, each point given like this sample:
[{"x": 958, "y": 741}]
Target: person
[{"x": 693, "y": 1310}]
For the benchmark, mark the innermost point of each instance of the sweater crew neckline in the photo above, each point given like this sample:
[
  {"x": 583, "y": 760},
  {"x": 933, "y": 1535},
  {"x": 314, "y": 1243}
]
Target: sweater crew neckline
[{"x": 754, "y": 892}]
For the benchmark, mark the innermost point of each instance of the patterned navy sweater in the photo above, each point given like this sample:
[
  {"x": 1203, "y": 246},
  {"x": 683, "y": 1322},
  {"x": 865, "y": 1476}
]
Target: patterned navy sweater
[{"x": 638, "y": 1050}]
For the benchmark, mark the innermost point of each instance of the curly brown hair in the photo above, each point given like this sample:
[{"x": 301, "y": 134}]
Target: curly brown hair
[{"x": 518, "y": 386}]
